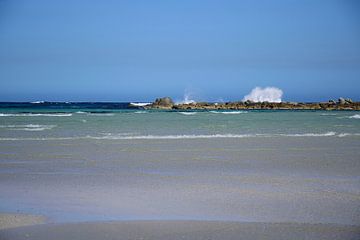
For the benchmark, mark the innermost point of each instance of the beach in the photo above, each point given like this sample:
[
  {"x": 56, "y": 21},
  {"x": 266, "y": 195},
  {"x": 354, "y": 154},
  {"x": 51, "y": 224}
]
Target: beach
[
  {"x": 163, "y": 230},
  {"x": 183, "y": 185}
]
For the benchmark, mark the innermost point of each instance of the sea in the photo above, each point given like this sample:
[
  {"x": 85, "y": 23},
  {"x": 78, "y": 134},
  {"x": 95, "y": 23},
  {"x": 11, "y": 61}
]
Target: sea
[
  {"x": 81, "y": 162},
  {"x": 48, "y": 121}
]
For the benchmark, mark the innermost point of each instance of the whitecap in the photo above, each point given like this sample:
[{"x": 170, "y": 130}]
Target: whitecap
[
  {"x": 228, "y": 112},
  {"x": 327, "y": 134},
  {"x": 187, "y": 113},
  {"x": 348, "y": 134},
  {"x": 141, "y": 104},
  {"x": 184, "y": 136},
  {"x": 28, "y": 127},
  {"x": 356, "y": 116},
  {"x": 328, "y": 114},
  {"x": 140, "y": 112}
]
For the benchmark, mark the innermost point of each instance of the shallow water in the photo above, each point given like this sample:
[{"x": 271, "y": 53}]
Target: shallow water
[{"x": 257, "y": 166}]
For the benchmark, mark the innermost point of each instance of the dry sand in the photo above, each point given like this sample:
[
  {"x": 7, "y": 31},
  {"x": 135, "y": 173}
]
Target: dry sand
[{"x": 182, "y": 230}]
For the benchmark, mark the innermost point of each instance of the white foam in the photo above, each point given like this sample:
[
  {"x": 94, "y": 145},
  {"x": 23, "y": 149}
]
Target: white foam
[
  {"x": 187, "y": 113},
  {"x": 175, "y": 137},
  {"x": 140, "y": 112},
  {"x": 38, "y": 102},
  {"x": 348, "y": 134},
  {"x": 356, "y": 116},
  {"x": 28, "y": 127},
  {"x": 327, "y": 134},
  {"x": 268, "y": 94},
  {"x": 229, "y": 112},
  {"x": 35, "y": 114},
  {"x": 328, "y": 114},
  {"x": 141, "y": 104}
]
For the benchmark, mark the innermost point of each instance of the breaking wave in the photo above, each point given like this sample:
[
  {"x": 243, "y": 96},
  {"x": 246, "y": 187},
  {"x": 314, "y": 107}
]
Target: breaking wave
[
  {"x": 356, "y": 116},
  {"x": 328, "y": 114},
  {"x": 187, "y": 113},
  {"x": 140, "y": 104},
  {"x": 174, "y": 137},
  {"x": 229, "y": 112},
  {"x": 28, "y": 127},
  {"x": 35, "y": 114}
]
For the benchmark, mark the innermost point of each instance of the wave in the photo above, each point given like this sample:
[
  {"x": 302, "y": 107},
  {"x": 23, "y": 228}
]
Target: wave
[
  {"x": 140, "y": 112},
  {"x": 140, "y": 104},
  {"x": 328, "y": 114},
  {"x": 96, "y": 113},
  {"x": 35, "y": 114},
  {"x": 229, "y": 112},
  {"x": 175, "y": 137},
  {"x": 327, "y": 134},
  {"x": 356, "y": 116},
  {"x": 348, "y": 134},
  {"x": 187, "y": 113},
  {"x": 37, "y": 102},
  {"x": 28, "y": 127}
]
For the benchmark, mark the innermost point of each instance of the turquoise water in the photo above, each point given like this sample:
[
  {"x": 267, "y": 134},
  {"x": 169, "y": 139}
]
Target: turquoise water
[
  {"x": 101, "y": 163},
  {"x": 49, "y": 124}
]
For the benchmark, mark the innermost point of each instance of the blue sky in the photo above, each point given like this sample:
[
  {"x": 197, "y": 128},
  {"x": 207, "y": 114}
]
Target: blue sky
[{"x": 214, "y": 50}]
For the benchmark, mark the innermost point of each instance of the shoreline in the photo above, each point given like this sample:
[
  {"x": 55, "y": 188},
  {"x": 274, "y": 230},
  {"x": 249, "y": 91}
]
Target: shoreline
[
  {"x": 14, "y": 220},
  {"x": 175, "y": 229}
]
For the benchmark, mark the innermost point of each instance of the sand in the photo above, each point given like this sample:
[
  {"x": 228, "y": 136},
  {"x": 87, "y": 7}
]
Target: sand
[
  {"x": 182, "y": 230},
  {"x": 8, "y": 220}
]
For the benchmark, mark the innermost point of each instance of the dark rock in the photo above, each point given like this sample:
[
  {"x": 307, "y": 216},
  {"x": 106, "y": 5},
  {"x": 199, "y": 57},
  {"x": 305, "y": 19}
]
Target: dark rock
[{"x": 165, "y": 102}]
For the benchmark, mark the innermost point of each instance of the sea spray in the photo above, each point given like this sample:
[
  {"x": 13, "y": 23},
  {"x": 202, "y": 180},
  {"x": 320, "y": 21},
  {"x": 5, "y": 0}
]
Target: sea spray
[{"x": 268, "y": 94}]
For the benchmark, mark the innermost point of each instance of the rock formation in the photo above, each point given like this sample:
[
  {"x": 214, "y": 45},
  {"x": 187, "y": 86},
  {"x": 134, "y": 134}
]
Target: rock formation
[
  {"x": 168, "y": 104},
  {"x": 162, "y": 103}
]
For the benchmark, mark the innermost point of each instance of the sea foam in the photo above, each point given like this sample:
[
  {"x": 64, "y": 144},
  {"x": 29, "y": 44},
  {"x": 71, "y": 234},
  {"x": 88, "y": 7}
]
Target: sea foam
[
  {"x": 185, "y": 136},
  {"x": 140, "y": 104},
  {"x": 187, "y": 113},
  {"x": 356, "y": 116},
  {"x": 28, "y": 127},
  {"x": 229, "y": 112}
]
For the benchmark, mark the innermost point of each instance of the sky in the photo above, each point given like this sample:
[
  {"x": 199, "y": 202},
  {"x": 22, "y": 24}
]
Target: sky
[{"x": 211, "y": 50}]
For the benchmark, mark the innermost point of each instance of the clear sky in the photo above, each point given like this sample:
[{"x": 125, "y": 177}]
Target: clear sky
[{"x": 215, "y": 50}]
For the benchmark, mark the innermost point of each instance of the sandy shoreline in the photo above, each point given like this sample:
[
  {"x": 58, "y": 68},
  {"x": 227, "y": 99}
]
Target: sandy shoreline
[
  {"x": 10, "y": 220},
  {"x": 181, "y": 230}
]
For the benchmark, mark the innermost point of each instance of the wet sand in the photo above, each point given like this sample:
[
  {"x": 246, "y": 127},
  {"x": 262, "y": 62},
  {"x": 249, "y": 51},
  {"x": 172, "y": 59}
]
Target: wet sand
[
  {"x": 164, "y": 230},
  {"x": 303, "y": 188},
  {"x": 9, "y": 220}
]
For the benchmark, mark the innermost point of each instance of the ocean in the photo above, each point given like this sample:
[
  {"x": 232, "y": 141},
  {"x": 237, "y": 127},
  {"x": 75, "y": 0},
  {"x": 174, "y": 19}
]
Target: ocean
[
  {"x": 52, "y": 121},
  {"x": 76, "y": 162}
]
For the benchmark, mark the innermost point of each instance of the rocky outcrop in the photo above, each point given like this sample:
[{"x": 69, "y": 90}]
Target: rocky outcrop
[
  {"x": 342, "y": 104},
  {"x": 161, "y": 103}
]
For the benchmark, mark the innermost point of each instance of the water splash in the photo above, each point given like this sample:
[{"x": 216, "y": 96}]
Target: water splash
[{"x": 268, "y": 94}]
